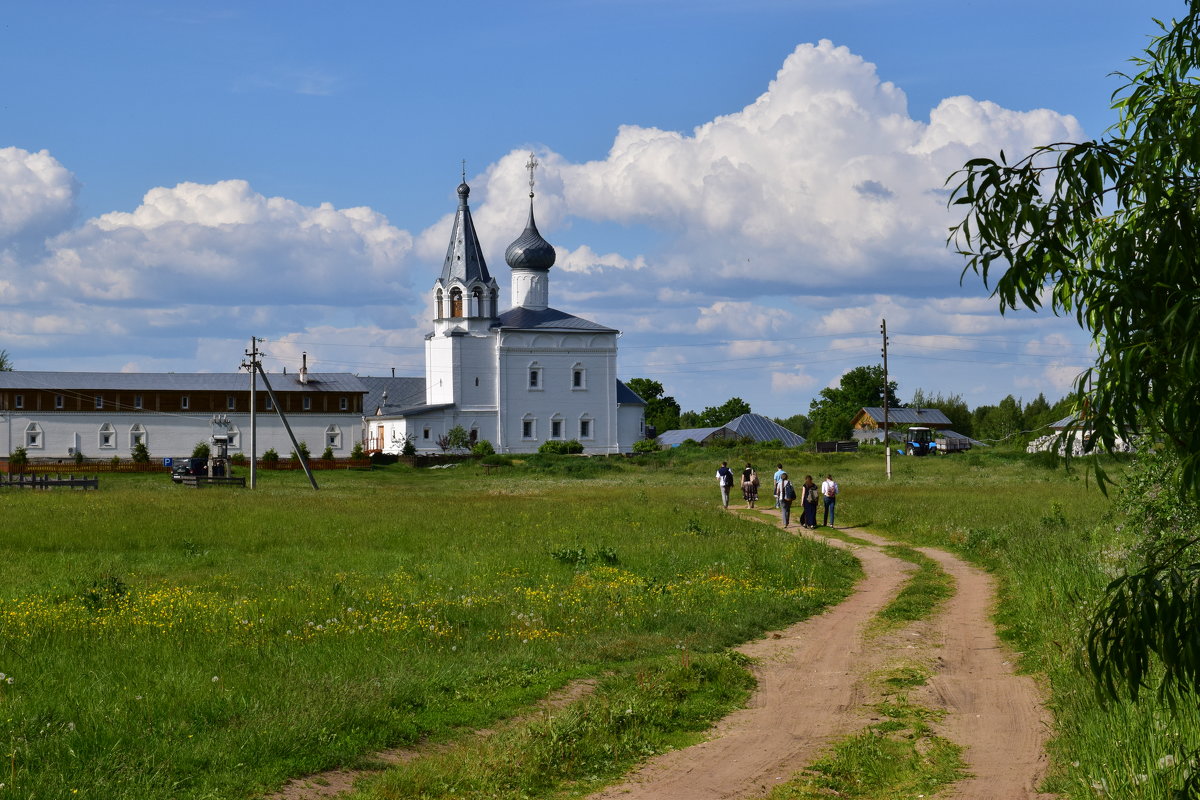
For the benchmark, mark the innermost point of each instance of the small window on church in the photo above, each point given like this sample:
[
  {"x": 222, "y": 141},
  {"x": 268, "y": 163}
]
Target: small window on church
[
  {"x": 439, "y": 303},
  {"x": 425, "y": 433},
  {"x": 585, "y": 429},
  {"x": 533, "y": 379},
  {"x": 477, "y": 302},
  {"x": 527, "y": 429},
  {"x": 556, "y": 429},
  {"x": 474, "y": 436},
  {"x": 456, "y": 302}
]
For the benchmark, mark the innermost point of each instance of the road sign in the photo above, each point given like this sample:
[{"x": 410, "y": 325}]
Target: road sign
[{"x": 167, "y": 462}]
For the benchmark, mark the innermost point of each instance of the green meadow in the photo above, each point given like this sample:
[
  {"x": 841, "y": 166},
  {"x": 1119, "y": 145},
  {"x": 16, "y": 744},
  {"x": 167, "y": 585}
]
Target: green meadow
[{"x": 171, "y": 643}]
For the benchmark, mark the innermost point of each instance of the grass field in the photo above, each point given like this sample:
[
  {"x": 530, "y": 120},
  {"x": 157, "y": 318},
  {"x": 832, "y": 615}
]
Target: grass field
[{"x": 166, "y": 642}]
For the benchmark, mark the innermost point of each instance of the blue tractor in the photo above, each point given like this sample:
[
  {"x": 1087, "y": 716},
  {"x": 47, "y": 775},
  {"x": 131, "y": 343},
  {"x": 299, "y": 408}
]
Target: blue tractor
[{"x": 919, "y": 442}]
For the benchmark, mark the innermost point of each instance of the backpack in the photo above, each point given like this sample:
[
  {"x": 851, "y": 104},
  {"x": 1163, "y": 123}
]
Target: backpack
[{"x": 789, "y": 492}]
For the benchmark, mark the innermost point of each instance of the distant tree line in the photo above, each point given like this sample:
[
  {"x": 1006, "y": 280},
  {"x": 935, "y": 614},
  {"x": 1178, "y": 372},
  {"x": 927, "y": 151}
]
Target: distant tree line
[{"x": 831, "y": 415}]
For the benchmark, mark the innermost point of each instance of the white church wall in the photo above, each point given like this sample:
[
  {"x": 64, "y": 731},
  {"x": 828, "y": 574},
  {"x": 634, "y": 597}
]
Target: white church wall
[
  {"x": 631, "y": 426},
  {"x": 556, "y": 358}
]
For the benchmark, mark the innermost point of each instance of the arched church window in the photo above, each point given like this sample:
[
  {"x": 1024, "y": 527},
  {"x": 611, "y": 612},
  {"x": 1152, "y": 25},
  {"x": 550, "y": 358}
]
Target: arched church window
[
  {"x": 439, "y": 303},
  {"x": 456, "y": 299},
  {"x": 477, "y": 302}
]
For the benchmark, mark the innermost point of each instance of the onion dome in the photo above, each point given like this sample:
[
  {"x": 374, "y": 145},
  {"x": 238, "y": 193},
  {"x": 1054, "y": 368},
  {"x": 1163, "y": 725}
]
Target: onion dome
[{"x": 530, "y": 250}]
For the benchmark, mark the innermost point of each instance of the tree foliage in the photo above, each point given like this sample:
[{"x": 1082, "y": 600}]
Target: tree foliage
[
  {"x": 1108, "y": 231},
  {"x": 797, "y": 424},
  {"x": 6, "y": 362},
  {"x": 716, "y": 416},
  {"x": 953, "y": 406},
  {"x": 457, "y": 438},
  {"x": 833, "y": 413},
  {"x": 662, "y": 411}
]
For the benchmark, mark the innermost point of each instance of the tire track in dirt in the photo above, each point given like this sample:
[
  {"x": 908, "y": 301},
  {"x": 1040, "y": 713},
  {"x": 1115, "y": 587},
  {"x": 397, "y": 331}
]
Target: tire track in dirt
[{"x": 812, "y": 690}]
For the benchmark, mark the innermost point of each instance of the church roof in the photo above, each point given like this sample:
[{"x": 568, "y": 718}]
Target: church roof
[
  {"x": 464, "y": 256},
  {"x": 627, "y": 396},
  {"x": 547, "y": 319},
  {"x": 389, "y": 395}
]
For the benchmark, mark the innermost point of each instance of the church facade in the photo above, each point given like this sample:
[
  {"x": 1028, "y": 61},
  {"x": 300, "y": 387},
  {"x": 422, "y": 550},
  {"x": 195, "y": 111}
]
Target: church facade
[{"x": 516, "y": 378}]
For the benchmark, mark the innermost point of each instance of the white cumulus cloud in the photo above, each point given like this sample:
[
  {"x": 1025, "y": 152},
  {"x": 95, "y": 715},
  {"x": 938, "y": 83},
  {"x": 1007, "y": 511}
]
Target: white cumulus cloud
[{"x": 37, "y": 195}]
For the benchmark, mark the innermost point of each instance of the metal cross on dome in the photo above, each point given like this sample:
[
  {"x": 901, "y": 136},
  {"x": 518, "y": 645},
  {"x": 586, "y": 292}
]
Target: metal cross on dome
[{"x": 531, "y": 166}]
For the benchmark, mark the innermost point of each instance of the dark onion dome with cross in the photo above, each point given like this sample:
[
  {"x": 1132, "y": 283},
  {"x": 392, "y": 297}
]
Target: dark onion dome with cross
[{"x": 530, "y": 250}]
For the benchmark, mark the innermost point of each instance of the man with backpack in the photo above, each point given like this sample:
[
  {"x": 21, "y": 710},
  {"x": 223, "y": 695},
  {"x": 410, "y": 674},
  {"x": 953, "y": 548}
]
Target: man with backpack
[
  {"x": 829, "y": 493},
  {"x": 725, "y": 480},
  {"x": 787, "y": 495}
]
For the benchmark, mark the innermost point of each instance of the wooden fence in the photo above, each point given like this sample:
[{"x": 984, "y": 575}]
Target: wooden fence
[{"x": 47, "y": 482}]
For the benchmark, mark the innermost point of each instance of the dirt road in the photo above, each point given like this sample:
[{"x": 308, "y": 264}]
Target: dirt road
[{"x": 812, "y": 688}]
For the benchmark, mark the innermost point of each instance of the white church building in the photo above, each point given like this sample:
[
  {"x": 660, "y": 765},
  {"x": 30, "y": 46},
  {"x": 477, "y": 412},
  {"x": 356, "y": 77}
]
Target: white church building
[{"x": 516, "y": 378}]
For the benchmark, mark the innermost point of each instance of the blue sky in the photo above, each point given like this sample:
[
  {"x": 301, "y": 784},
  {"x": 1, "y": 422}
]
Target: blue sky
[{"x": 744, "y": 189}]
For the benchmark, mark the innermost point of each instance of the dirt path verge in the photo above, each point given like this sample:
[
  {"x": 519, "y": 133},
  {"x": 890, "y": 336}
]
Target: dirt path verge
[{"x": 812, "y": 688}]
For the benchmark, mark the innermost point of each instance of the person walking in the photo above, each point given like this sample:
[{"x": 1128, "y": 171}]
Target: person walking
[
  {"x": 749, "y": 485},
  {"x": 808, "y": 498},
  {"x": 829, "y": 491},
  {"x": 775, "y": 491},
  {"x": 725, "y": 481},
  {"x": 787, "y": 494}
]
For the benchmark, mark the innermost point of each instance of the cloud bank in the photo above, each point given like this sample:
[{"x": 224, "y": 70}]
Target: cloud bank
[{"x": 813, "y": 211}]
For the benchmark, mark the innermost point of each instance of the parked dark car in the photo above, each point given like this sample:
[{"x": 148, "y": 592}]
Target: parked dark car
[{"x": 189, "y": 466}]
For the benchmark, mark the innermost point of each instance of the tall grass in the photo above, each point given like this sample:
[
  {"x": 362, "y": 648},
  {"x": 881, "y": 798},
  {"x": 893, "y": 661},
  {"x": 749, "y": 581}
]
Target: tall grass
[{"x": 167, "y": 642}]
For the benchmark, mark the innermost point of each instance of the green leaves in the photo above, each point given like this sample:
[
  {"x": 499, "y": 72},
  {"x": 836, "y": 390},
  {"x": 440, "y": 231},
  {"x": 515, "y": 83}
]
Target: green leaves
[{"x": 1109, "y": 232}]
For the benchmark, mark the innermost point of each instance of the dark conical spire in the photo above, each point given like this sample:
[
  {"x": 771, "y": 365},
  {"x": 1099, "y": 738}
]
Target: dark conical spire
[{"x": 464, "y": 256}]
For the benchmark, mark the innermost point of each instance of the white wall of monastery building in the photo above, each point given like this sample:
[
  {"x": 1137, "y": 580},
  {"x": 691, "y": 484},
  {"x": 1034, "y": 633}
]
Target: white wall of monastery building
[{"x": 102, "y": 436}]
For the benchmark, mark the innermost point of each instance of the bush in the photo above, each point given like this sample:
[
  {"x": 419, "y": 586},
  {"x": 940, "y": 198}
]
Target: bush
[
  {"x": 357, "y": 450},
  {"x": 303, "y": 451},
  {"x": 483, "y": 448},
  {"x": 328, "y": 454},
  {"x": 139, "y": 453},
  {"x": 270, "y": 458},
  {"x": 78, "y": 457},
  {"x": 457, "y": 438},
  {"x": 19, "y": 459},
  {"x": 115, "y": 460},
  {"x": 384, "y": 458},
  {"x": 498, "y": 460},
  {"x": 410, "y": 447},
  {"x": 689, "y": 443},
  {"x": 646, "y": 446},
  {"x": 200, "y": 450},
  {"x": 555, "y": 447},
  {"x": 238, "y": 459}
]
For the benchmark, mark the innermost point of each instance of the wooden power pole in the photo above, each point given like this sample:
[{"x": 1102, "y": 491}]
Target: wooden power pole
[{"x": 887, "y": 442}]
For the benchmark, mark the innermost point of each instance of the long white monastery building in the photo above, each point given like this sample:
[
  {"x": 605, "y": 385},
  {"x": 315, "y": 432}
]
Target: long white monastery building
[
  {"x": 54, "y": 415},
  {"x": 516, "y": 378}
]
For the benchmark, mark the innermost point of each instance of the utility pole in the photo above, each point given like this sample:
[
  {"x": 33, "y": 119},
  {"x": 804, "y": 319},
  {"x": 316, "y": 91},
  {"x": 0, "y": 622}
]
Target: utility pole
[
  {"x": 253, "y": 365},
  {"x": 887, "y": 443}
]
